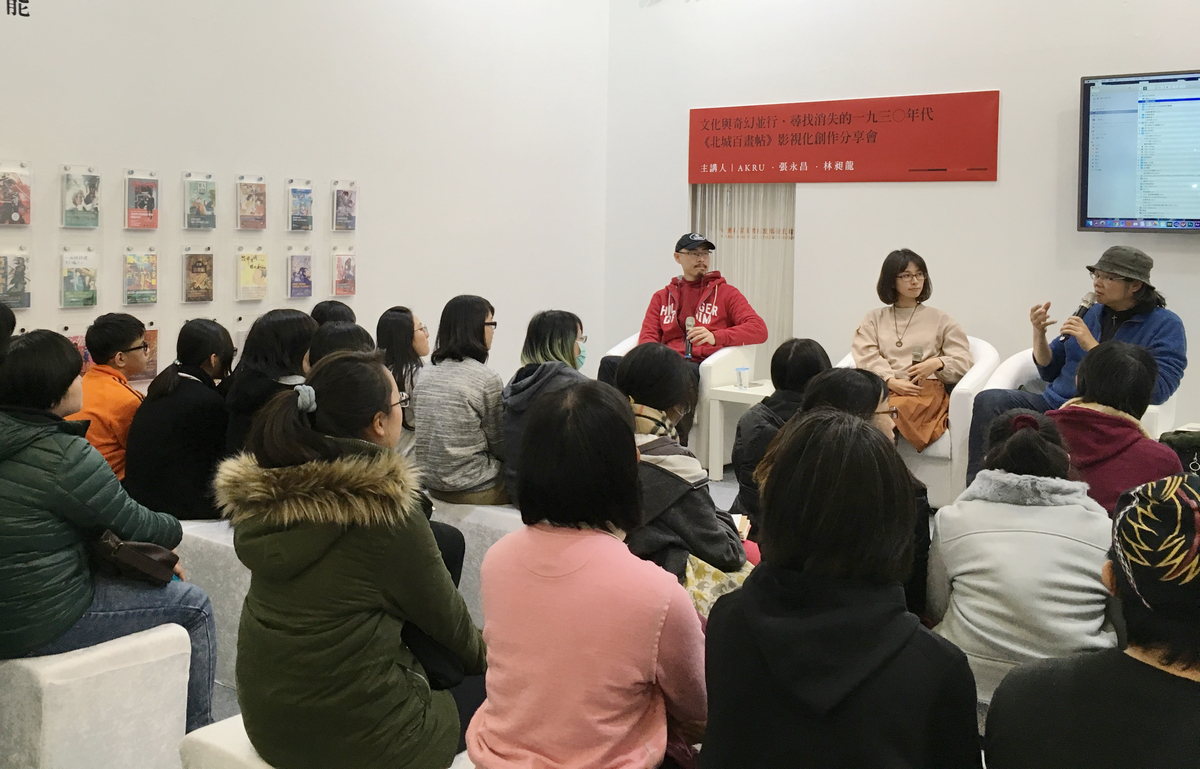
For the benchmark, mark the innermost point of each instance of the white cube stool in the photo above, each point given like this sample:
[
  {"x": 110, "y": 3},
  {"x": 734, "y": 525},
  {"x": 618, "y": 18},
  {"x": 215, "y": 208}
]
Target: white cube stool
[
  {"x": 122, "y": 703},
  {"x": 482, "y": 526},
  {"x": 223, "y": 745},
  {"x": 207, "y": 553}
]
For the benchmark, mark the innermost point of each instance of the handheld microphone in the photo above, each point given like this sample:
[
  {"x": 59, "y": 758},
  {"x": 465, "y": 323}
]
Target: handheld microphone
[
  {"x": 688, "y": 325},
  {"x": 1085, "y": 304}
]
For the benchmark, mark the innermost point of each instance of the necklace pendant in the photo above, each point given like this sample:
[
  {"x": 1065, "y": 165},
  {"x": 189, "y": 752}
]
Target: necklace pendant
[{"x": 899, "y": 343}]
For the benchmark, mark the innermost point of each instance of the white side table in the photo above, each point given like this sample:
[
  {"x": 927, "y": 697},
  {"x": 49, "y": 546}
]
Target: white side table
[{"x": 717, "y": 398}]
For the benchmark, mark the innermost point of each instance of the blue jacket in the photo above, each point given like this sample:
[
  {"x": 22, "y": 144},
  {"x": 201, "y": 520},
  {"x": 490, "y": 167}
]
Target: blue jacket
[{"x": 1160, "y": 331}]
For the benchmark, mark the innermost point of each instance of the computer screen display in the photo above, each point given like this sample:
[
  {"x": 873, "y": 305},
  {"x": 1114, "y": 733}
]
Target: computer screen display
[{"x": 1139, "y": 164}]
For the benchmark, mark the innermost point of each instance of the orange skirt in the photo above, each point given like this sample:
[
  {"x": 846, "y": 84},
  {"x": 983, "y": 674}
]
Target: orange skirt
[{"x": 922, "y": 418}]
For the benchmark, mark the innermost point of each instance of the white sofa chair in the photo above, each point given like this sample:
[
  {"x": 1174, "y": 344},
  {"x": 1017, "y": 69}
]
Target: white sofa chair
[
  {"x": 122, "y": 703},
  {"x": 717, "y": 370},
  {"x": 223, "y": 745},
  {"x": 1020, "y": 370},
  {"x": 942, "y": 466}
]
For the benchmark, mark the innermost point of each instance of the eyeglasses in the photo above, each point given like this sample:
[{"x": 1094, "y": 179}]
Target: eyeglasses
[
  {"x": 695, "y": 252},
  {"x": 893, "y": 412},
  {"x": 491, "y": 323},
  {"x": 1107, "y": 277},
  {"x": 581, "y": 338},
  {"x": 906, "y": 276},
  {"x": 403, "y": 402},
  {"x": 144, "y": 347},
  {"x": 423, "y": 328}
]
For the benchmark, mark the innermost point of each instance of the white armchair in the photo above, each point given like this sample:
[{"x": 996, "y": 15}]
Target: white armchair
[
  {"x": 942, "y": 466},
  {"x": 1020, "y": 370},
  {"x": 717, "y": 370}
]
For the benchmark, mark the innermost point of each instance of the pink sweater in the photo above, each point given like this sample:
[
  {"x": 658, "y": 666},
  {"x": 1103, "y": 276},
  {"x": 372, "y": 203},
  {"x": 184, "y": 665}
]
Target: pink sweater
[{"x": 588, "y": 647}]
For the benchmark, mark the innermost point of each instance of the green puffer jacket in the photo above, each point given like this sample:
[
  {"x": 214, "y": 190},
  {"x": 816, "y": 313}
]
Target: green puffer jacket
[
  {"x": 341, "y": 556},
  {"x": 56, "y": 492}
]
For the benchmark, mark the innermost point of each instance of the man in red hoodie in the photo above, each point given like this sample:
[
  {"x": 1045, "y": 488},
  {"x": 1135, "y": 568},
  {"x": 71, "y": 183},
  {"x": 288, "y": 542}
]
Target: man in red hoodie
[
  {"x": 719, "y": 313},
  {"x": 1101, "y": 426},
  {"x": 721, "y": 316}
]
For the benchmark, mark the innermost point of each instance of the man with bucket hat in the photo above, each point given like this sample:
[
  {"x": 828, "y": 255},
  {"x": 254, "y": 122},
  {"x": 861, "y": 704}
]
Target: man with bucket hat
[
  {"x": 1127, "y": 308},
  {"x": 1136, "y": 707}
]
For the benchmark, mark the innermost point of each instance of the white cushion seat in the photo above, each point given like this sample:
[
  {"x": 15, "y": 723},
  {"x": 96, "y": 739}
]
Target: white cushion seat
[
  {"x": 121, "y": 703},
  {"x": 223, "y": 745}
]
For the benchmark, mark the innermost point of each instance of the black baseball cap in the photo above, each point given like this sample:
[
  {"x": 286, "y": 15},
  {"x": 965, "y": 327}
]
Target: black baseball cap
[{"x": 693, "y": 240}]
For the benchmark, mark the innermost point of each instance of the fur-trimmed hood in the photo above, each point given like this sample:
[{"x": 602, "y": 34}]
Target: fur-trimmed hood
[
  {"x": 1026, "y": 490},
  {"x": 287, "y": 518}
]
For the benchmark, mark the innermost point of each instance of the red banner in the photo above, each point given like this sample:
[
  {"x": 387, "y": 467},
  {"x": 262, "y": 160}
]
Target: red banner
[{"x": 935, "y": 137}]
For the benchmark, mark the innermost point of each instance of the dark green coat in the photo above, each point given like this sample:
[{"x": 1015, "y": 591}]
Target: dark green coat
[
  {"x": 57, "y": 492},
  {"x": 341, "y": 556}
]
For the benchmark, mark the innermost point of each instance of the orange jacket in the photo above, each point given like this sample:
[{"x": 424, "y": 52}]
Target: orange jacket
[{"x": 108, "y": 404}]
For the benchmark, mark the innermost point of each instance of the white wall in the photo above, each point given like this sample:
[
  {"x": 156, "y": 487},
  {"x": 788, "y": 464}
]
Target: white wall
[
  {"x": 994, "y": 249},
  {"x": 475, "y": 131}
]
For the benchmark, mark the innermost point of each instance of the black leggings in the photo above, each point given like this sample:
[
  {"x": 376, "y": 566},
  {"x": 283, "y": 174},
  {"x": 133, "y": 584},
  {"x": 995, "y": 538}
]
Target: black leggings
[{"x": 469, "y": 694}]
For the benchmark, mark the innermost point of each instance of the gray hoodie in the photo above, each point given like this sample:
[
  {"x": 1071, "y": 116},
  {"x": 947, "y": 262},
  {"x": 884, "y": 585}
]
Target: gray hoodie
[{"x": 530, "y": 382}]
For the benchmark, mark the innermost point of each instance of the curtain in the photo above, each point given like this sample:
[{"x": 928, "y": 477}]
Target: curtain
[{"x": 753, "y": 227}]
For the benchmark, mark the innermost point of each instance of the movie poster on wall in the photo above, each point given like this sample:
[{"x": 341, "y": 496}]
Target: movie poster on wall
[
  {"x": 80, "y": 198},
  {"x": 200, "y": 201},
  {"x": 141, "y": 203},
  {"x": 300, "y": 275},
  {"x": 14, "y": 280},
  {"x": 15, "y": 195},
  {"x": 141, "y": 278},
  {"x": 197, "y": 276},
  {"x": 345, "y": 281},
  {"x": 251, "y": 202},
  {"x": 78, "y": 275},
  {"x": 251, "y": 276},
  {"x": 300, "y": 205},
  {"x": 345, "y": 206}
]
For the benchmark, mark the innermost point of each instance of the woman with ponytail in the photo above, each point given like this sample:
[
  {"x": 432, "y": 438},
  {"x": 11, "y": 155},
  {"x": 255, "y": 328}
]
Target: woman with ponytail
[
  {"x": 1015, "y": 564},
  {"x": 178, "y": 433},
  {"x": 326, "y": 515}
]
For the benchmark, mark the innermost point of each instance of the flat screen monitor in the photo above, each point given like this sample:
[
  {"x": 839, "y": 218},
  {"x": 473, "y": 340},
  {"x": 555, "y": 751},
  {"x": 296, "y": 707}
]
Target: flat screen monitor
[{"x": 1139, "y": 167}]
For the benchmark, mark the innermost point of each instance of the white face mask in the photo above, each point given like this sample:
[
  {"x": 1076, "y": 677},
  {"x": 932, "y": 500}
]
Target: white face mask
[{"x": 582, "y": 356}]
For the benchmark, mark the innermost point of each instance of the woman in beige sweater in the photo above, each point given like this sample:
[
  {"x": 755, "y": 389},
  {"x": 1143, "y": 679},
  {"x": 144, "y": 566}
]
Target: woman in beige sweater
[{"x": 915, "y": 348}]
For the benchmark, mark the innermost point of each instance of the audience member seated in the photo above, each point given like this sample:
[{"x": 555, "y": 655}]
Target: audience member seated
[
  {"x": 1102, "y": 424},
  {"x": 915, "y": 348},
  {"x": 720, "y": 316},
  {"x": 1127, "y": 309},
  {"x": 178, "y": 435},
  {"x": 1139, "y": 707},
  {"x": 550, "y": 362},
  {"x": 8, "y": 324},
  {"x": 816, "y": 660},
  {"x": 117, "y": 344},
  {"x": 404, "y": 340},
  {"x": 679, "y": 517},
  {"x": 326, "y": 516},
  {"x": 332, "y": 311},
  {"x": 459, "y": 408},
  {"x": 594, "y": 656},
  {"x": 863, "y": 394},
  {"x": 334, "y": 336},
  {"x": 1014, "y": 568},
  {"x": 57, "y": 494},
  {"x": 272, "y": 362},
  {"x": 793, "y": 364}
]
